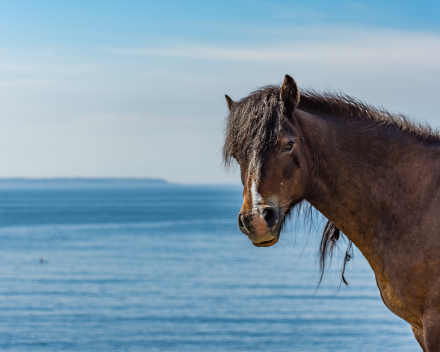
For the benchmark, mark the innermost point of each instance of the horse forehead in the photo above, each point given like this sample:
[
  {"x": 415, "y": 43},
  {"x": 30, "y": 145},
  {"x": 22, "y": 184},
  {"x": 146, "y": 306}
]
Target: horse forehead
[{"x": 264, "y": 180}]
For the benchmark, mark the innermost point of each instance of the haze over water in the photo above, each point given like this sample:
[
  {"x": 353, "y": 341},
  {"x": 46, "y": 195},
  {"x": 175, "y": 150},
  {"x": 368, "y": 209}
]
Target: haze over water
[{"x": 165, "y": 269}]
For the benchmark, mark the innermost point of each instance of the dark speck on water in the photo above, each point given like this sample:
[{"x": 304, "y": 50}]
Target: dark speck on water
[{"x": 165, "y": 268}]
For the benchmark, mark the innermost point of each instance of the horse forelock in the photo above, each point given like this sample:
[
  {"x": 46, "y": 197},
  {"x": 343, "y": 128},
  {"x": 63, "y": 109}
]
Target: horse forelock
[{"x": 253, "y": 126}]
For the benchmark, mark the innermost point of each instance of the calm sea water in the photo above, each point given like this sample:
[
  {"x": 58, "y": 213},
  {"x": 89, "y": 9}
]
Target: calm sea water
[{"x": 165, "y": 269}]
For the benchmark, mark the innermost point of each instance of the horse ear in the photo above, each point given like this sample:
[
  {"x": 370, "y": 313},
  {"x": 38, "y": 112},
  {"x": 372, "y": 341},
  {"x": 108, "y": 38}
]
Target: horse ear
[
  {"x": 289, "y": 94},
  {"x": 230, "y": 102}
]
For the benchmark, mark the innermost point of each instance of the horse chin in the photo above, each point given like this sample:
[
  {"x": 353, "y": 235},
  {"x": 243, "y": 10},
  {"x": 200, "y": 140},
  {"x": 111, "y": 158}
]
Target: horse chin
[{"x": 267, "y": 243}]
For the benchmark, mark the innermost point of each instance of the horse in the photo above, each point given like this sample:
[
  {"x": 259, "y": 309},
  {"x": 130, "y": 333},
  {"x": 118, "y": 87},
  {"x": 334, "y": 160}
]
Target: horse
[{"x": 374, "y": 175}]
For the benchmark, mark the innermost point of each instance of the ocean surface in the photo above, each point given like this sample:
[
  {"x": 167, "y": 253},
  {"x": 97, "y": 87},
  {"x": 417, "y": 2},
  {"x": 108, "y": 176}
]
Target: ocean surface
[{"x": 165, "y": 269}]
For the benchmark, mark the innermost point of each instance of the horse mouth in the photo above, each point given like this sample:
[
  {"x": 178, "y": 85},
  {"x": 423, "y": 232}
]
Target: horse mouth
[{"x": 267, "y": 243}]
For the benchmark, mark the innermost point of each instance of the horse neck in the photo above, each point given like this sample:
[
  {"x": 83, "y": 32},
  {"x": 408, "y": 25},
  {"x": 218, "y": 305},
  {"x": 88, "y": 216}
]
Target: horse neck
[{"x": 370, "y": 182}]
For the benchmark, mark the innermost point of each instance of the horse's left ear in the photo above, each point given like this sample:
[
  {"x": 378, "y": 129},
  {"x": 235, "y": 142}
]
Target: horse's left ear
[
  {"x": 230, "y": 103},
  {"x": 289, "y": 94}
]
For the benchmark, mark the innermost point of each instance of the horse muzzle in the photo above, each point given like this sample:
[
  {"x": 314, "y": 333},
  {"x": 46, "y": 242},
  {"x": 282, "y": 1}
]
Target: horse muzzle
[{"x": 262, "y": 226}]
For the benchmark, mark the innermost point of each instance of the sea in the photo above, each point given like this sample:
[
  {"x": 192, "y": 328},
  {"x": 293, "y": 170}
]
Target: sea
[{"x": 162, "y": 267}]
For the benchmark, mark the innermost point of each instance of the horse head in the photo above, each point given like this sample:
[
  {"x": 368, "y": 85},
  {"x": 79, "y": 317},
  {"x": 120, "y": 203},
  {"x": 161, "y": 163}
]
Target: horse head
[{"x": 264, "y": 137}]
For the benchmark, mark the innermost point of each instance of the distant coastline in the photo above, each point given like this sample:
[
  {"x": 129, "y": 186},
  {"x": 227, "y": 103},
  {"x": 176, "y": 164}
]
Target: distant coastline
[{"x": 81, "y": 182}]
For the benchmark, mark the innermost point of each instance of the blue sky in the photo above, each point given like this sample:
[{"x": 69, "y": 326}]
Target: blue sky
[{"x": 136, "y": 88}]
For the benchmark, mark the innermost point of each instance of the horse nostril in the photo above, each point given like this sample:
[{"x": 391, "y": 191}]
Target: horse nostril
[
  {"x": 270, "y": 216},
  {"x": 241, "y": 221}
]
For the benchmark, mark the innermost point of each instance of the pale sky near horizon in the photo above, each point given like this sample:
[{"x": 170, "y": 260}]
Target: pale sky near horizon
[{"x": 136, "y": 88}]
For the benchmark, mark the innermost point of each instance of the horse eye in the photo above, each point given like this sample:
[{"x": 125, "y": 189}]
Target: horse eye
[{"x": 288, "y": 148}]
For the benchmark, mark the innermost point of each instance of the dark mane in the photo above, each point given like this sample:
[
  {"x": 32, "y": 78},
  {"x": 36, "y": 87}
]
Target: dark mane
[
  {"x": 255, "y": 121},
  {"x": 365, "y": 116},
  {"x": 255, "y": 124}
]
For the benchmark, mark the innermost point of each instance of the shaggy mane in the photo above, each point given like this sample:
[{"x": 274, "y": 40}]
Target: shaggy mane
[{"x": 339, "y": 105}]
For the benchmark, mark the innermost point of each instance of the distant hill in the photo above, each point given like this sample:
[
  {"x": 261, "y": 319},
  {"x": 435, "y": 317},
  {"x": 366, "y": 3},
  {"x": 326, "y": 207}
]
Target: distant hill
[{"x": 80, "y": 182}]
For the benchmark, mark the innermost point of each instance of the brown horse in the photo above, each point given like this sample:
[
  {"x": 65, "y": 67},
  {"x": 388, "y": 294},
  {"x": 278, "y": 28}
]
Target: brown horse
[{"x": 374, "y": 175}]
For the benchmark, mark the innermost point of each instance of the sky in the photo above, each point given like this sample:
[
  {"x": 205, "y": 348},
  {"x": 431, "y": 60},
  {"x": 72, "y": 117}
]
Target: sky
[{"x": 136, "y": 88}]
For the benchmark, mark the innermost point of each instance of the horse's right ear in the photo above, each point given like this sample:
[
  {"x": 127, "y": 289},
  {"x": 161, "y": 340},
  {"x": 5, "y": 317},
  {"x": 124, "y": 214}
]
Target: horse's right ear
[
  {"x": 230, "y": 103},
  {"x": 289, "y": 94}
]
